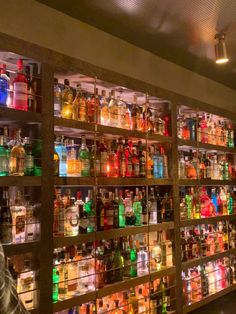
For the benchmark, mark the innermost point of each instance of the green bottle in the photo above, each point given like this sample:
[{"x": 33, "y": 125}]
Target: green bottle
[
  {"x": 4, "y": 158},
  {"x": 121, "y": 211},
  {"x": 118, "y": 264},
  {"x": 230, "y": 203},
  {"x": 188, "y": 201},
  {"x": 137, "y": 208},
  {"x": 84, "y": 156},
  {"x": 55, "y": 282},
  {"x": 89, "y": 209},
  {"x": 133, "y": 260},
  {"x": 37, "y": 153}
]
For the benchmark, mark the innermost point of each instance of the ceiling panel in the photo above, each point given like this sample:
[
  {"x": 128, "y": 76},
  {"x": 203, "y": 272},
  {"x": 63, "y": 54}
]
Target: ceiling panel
[{"x": 181, "y": 31}]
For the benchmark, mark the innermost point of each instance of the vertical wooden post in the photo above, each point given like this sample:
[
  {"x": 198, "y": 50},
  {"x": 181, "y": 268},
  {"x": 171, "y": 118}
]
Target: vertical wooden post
[
  {"x": 47, "y": 193},
  {"x": 176, "y": 200}
]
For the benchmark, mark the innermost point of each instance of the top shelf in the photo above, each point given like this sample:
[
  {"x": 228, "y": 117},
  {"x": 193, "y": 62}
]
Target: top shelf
[{"x": 209, "y": 147}]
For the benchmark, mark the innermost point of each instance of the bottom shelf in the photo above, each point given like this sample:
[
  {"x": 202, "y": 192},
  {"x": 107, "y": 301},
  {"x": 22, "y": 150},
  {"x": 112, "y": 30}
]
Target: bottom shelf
[{"x": 208, "y": 299}]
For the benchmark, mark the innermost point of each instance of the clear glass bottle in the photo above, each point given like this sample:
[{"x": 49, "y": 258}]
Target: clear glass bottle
[
  {"x": 84, "y": 156},
  {"x": 67, "y": 108},
  {"x": 104, "y": 118},
  {"x": 71, "y": 228},
  {"x": 142, "y": 260},
  {"x": 18, "y": 211},
  {"x": 26, "y": 284},
  {"x": 113, "y": 111},
  {"x": 31, "y": 232},
  {"x": 57, "y": 98},
  {"x": 17, "y": 157},
  {"x": 152, "y": 207}
]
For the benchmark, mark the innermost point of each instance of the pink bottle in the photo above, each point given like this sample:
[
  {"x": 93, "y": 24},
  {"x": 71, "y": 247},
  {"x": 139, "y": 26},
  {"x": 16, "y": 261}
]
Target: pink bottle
[{"x": 20, "y": 89}]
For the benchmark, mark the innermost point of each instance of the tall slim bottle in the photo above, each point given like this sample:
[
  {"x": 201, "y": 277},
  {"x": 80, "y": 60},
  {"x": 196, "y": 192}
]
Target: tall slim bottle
[{"x": 20, "y": 89}]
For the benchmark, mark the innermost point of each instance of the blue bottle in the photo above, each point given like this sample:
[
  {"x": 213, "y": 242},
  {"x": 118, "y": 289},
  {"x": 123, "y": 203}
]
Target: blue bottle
[
  {"x": 158, "y": 165},
  {"x": 214, "y": 200},
  {"x": 4, "y": 86},
  {"x": 62, "y": 153}
]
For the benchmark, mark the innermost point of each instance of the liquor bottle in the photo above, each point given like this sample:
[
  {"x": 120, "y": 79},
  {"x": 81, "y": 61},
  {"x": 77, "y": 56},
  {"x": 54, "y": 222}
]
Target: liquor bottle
[
  {"x": 108, "y": 264},
  {"x": 55, "y": 284},
  {"x": 35, "y": 88},
  {"x": 142, "y": 308},
  {"x": 67, "y": 107},
  {"x": 203, "y": 126},
  {"x": 137, "y": 208},
  {"x": 182, "y": 171},
  {"x": 81, "y": 214},
  {"x": 230, "y": 203},
  {"x": 18, "y": 212},
  {"x": 192, "y": 128},
  {"x": 99, "y": 269},
  {"x": 142, "y": 161},
  {"x": 113, "y": 111},
  {"x": 142, "y": 261},
  {"x": 183, "y": 209},
  {"x": 31, "y": 222},
  {"x": 72, "y": 272},
  {"x": 167, "y": 208},
  {"x": 95, "y": 166},
  {"x": 135, "y": 163},
  {"x": 121, "y": 210},
  {"x": 71, "y": 223},
  {"x": 80, "y": 105},
  {"x": 89, "y": 209},
  {"x": 108, "y": 211},
  {"x": 4, "y": 87},
  {"x": 73, "y": 162},
  {"x": 100, "y": 212},
  {"x": 102, "y": 153},
  {"x": 20, "y": 89},
  {"x": 104, "y": 113},
  {"x": 188, "y": 201},
  {"x": 29, "y": 158},
  {"x": 152, "y": 207},
  {"x": 57, "y": 98},
  {"x": 63, "y": 275},
  {"x": 158, "y": 165},
  {"x": 5, "y": 219},
  {"x": 144, "y": 220},
  {"x": 133, "y": 302},
  {"x": 153, "y": 301},
  {"x": 59, "y": 214},
  {"x": 115, "y": 206},
  {"x": 118, "y": 264},
  {"x": 134, "y": 115},
  {"x": 93, "y": 104},
  {"x": 121, "y": 106},
  {"x": 17, "y": 157},
  {"x": 4, "y": 156},
  {"x": 62, "y": 153},
  {"x": 84, "y": 156},
  {"x": 26, "y": 286},
  {"x": 133, "y": 259}
]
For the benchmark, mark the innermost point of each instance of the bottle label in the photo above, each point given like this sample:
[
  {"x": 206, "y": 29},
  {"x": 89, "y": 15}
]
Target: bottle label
[
  {"x": 136, "y": 170},
  {"x": 20, "y": 91},
  {"x": 20, "y": 224},
  {"x": 85, "y": 170}
]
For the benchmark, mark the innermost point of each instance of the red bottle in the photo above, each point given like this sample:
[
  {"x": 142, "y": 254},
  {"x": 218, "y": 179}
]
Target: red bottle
[{"x": 20, "y": 89}]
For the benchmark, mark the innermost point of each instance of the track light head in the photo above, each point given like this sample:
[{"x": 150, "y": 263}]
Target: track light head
[{"x": 220, "y": 49}]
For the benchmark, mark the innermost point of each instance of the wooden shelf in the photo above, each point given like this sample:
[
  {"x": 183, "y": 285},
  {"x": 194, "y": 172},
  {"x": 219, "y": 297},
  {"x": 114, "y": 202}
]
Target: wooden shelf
[
  {"x": 209, "y": 147},
  {"x": 208, "y": 299},
  {"x": 104, "y": 181},
  {"x": 110, "y": 234},
  {"x": 205, "y": 182},
  {"x": 113, "y": 288},
  {"x": 19, "y": 117},
  {"x": 20, "y": 181},
  {"x": 85, "y": 181},
  {"x": 72, "y": 124},
  {"x": 208, "y": 220},
  {"x": 205, "y": 259},
  {"x": 21, "y": 248},
  {"x": 75, "y": 301}
]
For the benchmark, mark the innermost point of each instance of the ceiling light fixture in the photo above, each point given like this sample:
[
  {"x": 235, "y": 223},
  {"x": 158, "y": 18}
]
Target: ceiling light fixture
[{"x": 220, "y": 49}]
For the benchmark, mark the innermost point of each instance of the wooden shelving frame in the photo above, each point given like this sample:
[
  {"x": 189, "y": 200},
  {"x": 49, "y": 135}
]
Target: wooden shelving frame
[{"x": 53, "y": 62}]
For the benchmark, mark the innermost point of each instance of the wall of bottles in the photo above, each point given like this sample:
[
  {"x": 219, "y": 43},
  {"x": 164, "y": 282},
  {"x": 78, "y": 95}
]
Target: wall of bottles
[
  {"x": 156, "y": 297},
  {"x": 207, "y": 279},
  {"x": 89, "y": 267}
]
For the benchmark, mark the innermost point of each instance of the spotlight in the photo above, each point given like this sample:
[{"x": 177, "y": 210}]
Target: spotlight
[{"x": 220, "y": 49}]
